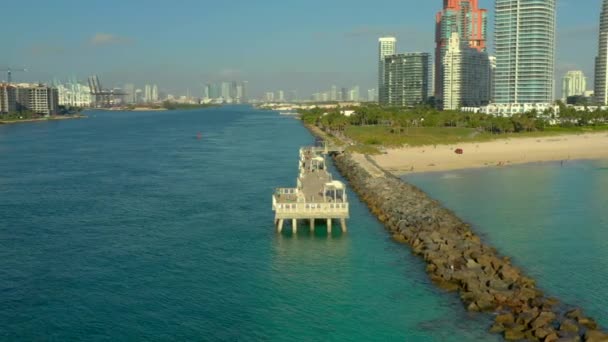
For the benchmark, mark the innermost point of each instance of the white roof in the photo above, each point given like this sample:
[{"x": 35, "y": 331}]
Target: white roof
[{"x": 335, "y": 184}]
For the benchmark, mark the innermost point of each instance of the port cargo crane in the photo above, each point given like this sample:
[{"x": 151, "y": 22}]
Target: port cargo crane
[{"x": 102, "y": 98}]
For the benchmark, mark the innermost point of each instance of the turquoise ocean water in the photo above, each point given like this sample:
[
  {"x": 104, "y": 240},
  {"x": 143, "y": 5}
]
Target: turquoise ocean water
[
  {"x": 551, "y": 220},
  {"x": 125, "y": 226}
]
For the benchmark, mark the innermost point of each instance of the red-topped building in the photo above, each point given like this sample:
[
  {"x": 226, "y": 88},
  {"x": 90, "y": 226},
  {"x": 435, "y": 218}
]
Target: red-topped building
[{"x": 468, "y": 20}]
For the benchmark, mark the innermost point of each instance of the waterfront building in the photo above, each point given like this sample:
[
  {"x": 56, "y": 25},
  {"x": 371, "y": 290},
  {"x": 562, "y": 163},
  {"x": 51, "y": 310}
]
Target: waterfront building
[
  {"x": 270, "y": 96},
  {"x": 465, "y": 18},
  {"x": 245, "y": 97},
  {"x": 387, "y": 46},
  {"x": 406, "y": 79},
  {"x": 129, "y": 89},
  {"x": 225, "y": 91},
  {"x": 574, "y": 83},
  {"x": 281, "y": 96},
  {"x": 74, "y": 94},
  {"x": 8, "y": 99},
  {"x": 148, "y": 93},
  {"x": 207, "y": 91},
  {"x": 155, "y": 93},
  {"x": 37, "y": 98},
  {"x": 601, "y": 61},
  {"x": 509, "y": 109},
  {"x": 343, "y": 94},
  {"x": 525, "y": 51},
  {"x": 465, "y": 75}
]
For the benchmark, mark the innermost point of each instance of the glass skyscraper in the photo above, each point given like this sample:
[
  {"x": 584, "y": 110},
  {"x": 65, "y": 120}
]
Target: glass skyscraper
[
  {"x": 525, "y": 51},
  {"x": 601, "y": 62},
  {"x": 406, "y": 79}
]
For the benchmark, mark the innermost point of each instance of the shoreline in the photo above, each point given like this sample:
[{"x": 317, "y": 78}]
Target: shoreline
[
  {"x": 45, "y": 119},
  {"x": 459, "y": 261},
  {"x": 500, "y": 153}
]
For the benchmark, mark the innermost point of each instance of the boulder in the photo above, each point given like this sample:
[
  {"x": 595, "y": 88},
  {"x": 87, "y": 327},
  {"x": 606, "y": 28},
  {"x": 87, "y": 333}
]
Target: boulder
[
  {"x": 587, "y": 323},
  {"x": 514, "y": 334},
  {"x": 527, "y": 316},
  {"x": 545, "y": 318},
  {"x": 551, "y": 337},
  {"x": 568, "y": 325},
  {"x": 504, "y": 319},
  {"x": 595, "y": 336},
  {"x": 543, "y": 332},
  {"x": 497, "y": 328},
  {"x": 574, "y": 314}
]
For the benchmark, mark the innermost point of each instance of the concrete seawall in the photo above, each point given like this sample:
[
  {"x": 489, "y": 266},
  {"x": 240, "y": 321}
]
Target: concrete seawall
[{"x": 458, "y": 261}]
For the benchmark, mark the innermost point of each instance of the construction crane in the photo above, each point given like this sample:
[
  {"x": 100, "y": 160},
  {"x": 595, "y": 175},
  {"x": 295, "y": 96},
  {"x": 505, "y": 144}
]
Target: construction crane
[{"x": 10, "y": 71}]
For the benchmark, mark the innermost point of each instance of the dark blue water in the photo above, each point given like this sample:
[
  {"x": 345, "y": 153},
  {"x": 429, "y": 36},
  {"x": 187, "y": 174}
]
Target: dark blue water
[
  {"x": 124, "y": 226},
  {"x": 552, "y": 220}
]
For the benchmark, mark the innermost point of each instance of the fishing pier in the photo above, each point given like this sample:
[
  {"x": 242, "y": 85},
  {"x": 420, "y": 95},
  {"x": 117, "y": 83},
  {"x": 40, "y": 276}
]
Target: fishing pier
[{"x": 317, "y": 195}]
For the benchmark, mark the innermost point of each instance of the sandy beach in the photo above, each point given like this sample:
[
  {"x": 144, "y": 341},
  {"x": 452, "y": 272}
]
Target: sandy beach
[{"x": 498, "y": 153}]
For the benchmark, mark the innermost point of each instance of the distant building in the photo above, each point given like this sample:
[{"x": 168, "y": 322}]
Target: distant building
[
  {"x": 468, "y": 21},
  {"x": 148, "y": 93},
  {"x": 525, "y": 51},
  {"x": 574, "y": 83},
  {"x": 371, "y": 95},
  {"x": 8, "y": 99},
  {"x": 354, "y": 94},
  {"x": 37, "y": 98},
  {"x": 74, "y": 94},
  {"x": 281, "y": 96},
  {"x": 406, "y": 79},
  {"x": 386, "y": 47},
  {"x": 155, "y": 93},
  {"x": 270, "y": 96},
  {"x": 465, "y": 75},
  {"x": 601, "y": 62},
  {"x": 334, "y": 93},
  {"x": 509, "y": 109},
  {"x": 225, "y": 91}
]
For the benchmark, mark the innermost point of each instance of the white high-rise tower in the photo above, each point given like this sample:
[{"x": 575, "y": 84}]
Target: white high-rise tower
[
  {"x": 525, "y": 51},
  {"x": 386, "y": 47}
]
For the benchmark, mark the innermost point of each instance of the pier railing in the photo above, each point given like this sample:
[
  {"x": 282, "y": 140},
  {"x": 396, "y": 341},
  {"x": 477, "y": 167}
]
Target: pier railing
[{"x": 310, "y": 210}]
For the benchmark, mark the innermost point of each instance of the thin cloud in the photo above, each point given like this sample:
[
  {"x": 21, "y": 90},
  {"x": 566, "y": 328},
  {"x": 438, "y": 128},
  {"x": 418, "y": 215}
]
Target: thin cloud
[{"x": 105, "y": 39}]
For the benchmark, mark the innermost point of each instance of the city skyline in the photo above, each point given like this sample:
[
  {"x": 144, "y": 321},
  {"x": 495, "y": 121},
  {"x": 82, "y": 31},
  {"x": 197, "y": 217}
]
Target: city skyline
[{"x": 126, "y": 52}]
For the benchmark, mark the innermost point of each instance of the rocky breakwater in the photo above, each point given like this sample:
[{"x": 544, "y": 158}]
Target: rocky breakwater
[{"x": 457, "y": 260}]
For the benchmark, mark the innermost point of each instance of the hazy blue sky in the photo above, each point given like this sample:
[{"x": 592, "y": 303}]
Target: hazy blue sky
[{"x": 305, "y": 45}]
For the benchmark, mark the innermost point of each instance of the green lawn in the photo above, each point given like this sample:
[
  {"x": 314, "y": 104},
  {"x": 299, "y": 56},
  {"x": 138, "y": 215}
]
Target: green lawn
[{"x": 377, "y": 136}]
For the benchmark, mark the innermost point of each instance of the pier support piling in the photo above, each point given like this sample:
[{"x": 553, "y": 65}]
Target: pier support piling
[
  {"x": 343, "y": 224},
  {"x": 294, "y": 226},
  {"x": 312, "y": 225},
  {"x": 280, "y": 226}
]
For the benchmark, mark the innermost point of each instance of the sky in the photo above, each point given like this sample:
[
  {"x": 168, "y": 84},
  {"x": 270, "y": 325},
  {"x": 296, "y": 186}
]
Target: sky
[{"x": 300, "y": 45}]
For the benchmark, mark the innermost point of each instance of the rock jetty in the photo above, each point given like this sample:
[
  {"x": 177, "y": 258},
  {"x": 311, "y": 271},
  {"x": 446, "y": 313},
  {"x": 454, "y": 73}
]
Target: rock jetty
[{"x": 459, "y": 261}]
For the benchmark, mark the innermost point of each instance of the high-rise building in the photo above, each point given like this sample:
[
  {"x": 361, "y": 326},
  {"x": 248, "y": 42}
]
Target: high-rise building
[
  {"x": 334, "y": 93},
  {"x": 155, "y": 93},
  {"x": 281, "y": 96},
  {"x": 525, "y": 51},
  {"x": 207, "y": 91},
  {"x": 37, "y": 98},
  {"x": 601, "y": 62},
  {"x": 225, "y": 91},
  {"x": 465, "y": 18},
  {"x": 387, "y": 46},
  {"x": 492, "y": 65},
  {"x": 371, "y": 95},
  {"x": 245, "y": 86},
  {"x": 8, "y": 99},
  {"x": 406, "y": 79},
  {"x": 129, "y": 89},
  {"x": 270, "y": 96},
  {"x": 465, "y": 76},
  {"x": 353, "y": 94},
  {"x": 574, "y": 84},
  {"x": 148, "y": 93}
]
